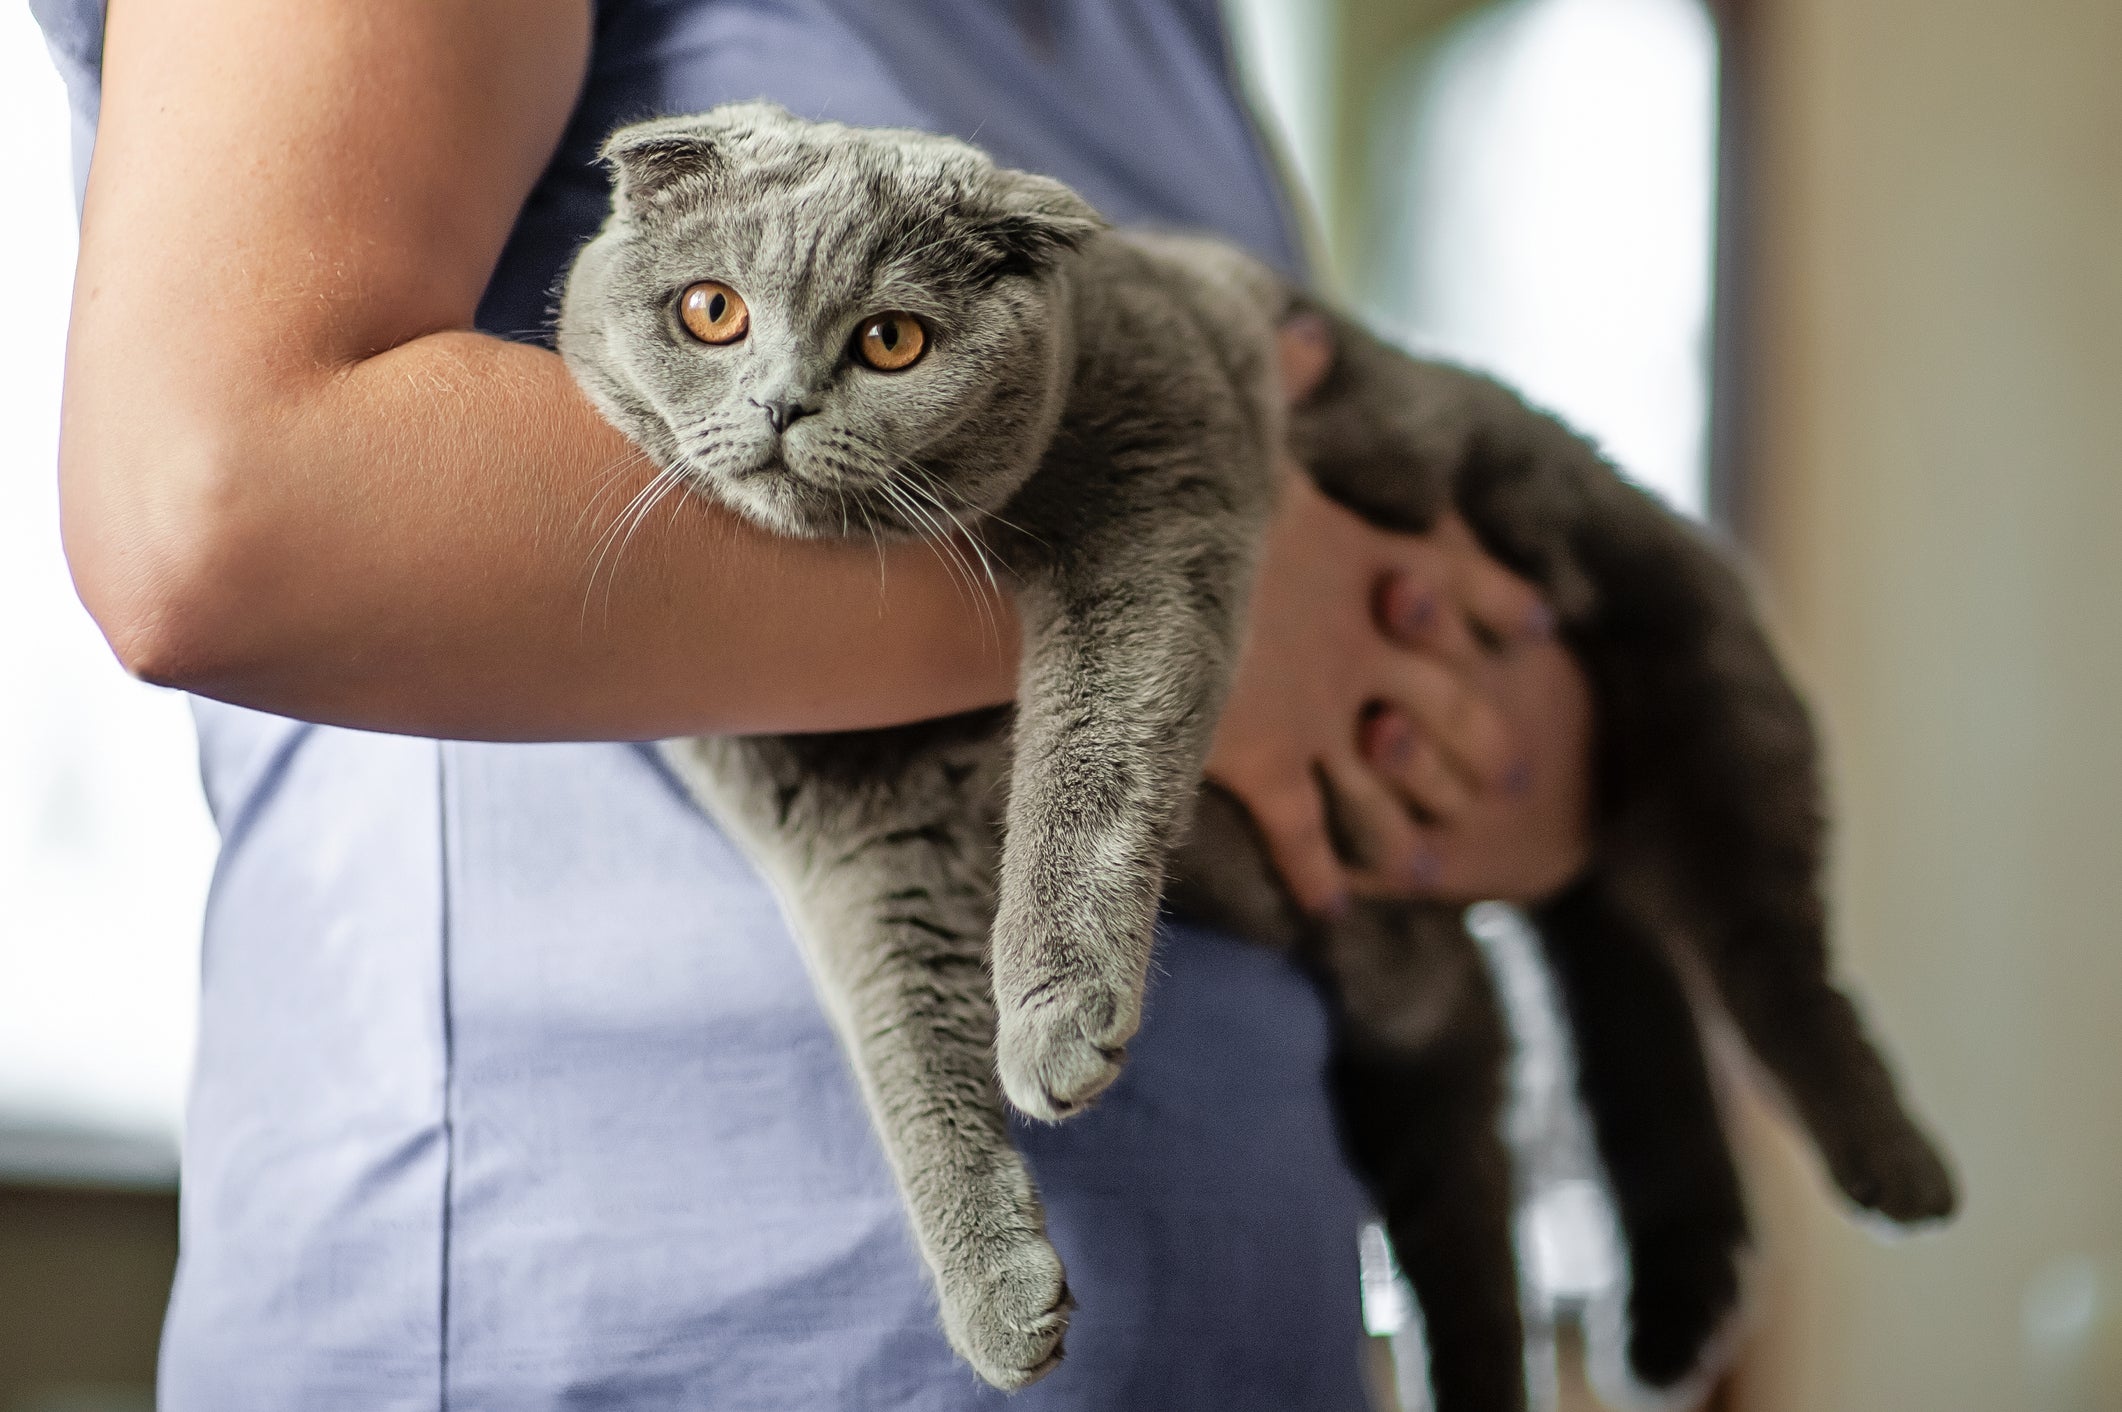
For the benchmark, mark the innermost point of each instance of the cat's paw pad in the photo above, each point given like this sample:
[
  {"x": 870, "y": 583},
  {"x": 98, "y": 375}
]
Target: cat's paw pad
[
  {"x": 1900, "y": 1176},
  {"x": 1005, "y": 1311},
  {"x": 1061, "y": 1047}
]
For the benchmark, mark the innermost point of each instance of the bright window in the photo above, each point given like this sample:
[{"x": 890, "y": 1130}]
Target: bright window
[
  {"x": 105, "y": 847},
  {"x": 1539, "y": 203}
]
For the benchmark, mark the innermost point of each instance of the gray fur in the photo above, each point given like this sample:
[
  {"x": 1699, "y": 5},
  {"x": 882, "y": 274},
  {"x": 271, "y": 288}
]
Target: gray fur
[
  {"x": 1703, "y": 897},
  {"x": 975, "y": 897},
  {"x": 1097, "y": 413}
]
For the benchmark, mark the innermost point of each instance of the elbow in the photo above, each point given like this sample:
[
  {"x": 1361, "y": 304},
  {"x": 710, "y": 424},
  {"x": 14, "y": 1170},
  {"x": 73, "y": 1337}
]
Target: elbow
[
  {"x": 156, "y": 637},
  {"x": 155, "y": 546}
]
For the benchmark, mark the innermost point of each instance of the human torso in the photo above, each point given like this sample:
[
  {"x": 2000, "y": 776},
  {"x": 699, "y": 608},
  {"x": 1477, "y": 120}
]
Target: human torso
[{"x": 511, "y": 1090}]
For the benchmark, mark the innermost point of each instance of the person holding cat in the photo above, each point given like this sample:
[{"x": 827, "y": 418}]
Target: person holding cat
[{"x": 510, "y": 1088}]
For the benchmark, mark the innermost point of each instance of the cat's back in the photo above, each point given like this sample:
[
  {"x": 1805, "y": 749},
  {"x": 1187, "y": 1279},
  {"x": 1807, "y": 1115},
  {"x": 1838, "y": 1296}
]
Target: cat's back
[
  {"x": 1190, "y": 294},
  {"x": 1175, "y": 336},
  {"x": 1217, "y": 280}
]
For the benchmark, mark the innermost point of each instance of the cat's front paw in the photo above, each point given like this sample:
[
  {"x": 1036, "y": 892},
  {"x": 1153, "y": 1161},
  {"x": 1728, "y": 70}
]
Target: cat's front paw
[
  {"x": 1060, "y": 1046},
  {"x": 1005, "y": 1310},
  {"x": 1898, "y": 1174}
]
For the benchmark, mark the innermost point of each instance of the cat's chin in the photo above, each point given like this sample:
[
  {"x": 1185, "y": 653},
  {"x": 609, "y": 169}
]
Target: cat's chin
[{"x": 778, "y": 500}]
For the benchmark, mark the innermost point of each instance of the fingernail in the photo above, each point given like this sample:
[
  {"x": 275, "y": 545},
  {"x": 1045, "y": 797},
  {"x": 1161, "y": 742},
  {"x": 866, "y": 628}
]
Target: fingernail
[
  {"x": 1518, "y": 778},
  {"x": 1416, "y": 614},
  {"x": 1391, "y": 740}
]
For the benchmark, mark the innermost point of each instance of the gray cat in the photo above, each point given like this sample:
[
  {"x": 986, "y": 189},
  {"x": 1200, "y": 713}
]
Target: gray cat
[
  {"x": 1702, "y": 903},
  {"x": 842, "y": 331},
  {"x": 838, "y": 331}
]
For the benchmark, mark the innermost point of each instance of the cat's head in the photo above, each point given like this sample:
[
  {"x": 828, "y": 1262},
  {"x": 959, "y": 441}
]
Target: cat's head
[{"x": 827, "y": 328}]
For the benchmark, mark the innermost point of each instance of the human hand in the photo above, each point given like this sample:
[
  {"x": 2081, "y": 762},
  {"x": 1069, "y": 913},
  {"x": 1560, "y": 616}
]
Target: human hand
[
  {"x": 1402, "y": 721},
  {"x": 1520, "y": 840}
]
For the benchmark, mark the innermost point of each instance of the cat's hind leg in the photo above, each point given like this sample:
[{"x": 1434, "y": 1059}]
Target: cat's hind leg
[
  {"x": 1419, "y": 1082},
  {"x": 886, "y": 873},
  {"x": 1811, "y": 1039},
  {"x": 1646, "y": 1088},
  {"x": 1729, "y": 836}
]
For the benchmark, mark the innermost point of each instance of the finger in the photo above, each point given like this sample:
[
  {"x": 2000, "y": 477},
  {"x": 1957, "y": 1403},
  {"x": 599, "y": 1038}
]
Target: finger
[
  {"x": 1293, "y": 823},
  {"x": 1464, "y": 865},
  {"x": 1505, "y": 608},
  {"x": 1395, "y": 749},
  {"x": 1475, "y": 864},
  {"x": 1415, "y": 609},
  {"x": 1305, "y": 347},
  {"x": 1449, "y": 714},
  {"x": 1459, "y": 873},
  {"x": 1377, "y": 834}
]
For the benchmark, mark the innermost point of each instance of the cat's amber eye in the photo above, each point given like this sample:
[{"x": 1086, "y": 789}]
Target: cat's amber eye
[
  {"x": 713, "y": 312},
  {"x": 890, "y": 342}
]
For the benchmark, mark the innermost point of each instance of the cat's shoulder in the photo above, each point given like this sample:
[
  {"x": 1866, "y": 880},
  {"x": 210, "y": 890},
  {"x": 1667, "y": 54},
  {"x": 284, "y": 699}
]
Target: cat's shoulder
[
  {"x": 1171, "y": 308},
  {"x": 1193, "y": 266}
]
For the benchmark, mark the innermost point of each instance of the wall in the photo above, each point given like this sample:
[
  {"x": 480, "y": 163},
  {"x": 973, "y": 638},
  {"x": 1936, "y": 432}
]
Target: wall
[
  {"x": 84, "y": 1274},
  {"x": 1936, "y": 495}
]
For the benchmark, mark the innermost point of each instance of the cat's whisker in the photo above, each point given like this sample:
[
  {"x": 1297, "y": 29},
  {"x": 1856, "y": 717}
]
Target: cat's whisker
[
  {"x": 878, "y": 541},
  {"x": 910, "y": 497},
  {"x": 639, "y": 494},
  {"x": 985, "y": 514},
  {"x": 938, "y": 534},
  {"x": 964, "y": 532},
  {"x": 964, "y": 581},
  {"x": 920, "y": 483},
  {"x": 671, "y": 496},
  {"x": 956, "y": 544},
  {"x": 604, "y": 538},
  {"x": 622, "y": 524},
  {"x": 953, "y": 555},
  {"x": 912, "y": 512},
  {"x": 611, "y": 471},
  {"x": 663, "y": 494}
]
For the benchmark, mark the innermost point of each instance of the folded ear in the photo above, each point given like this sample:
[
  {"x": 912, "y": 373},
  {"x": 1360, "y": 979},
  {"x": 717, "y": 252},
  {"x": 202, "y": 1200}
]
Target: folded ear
[
  {"x": 1033, "y": 220},
  {"x": 655, "y": 160}
]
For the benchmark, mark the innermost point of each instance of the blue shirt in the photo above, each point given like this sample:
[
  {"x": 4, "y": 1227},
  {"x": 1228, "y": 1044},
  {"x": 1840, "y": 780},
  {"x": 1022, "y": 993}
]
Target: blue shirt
[{"x": 512, "y": 1092}]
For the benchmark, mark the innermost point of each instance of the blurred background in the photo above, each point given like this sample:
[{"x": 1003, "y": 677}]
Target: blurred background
[
  {"x": 1844, "y": 277},
  {"x": 105, "y": 853}
]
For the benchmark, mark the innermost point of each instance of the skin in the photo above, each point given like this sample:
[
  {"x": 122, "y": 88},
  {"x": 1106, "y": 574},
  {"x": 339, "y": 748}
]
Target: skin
[{"x": 293, "y": 478}]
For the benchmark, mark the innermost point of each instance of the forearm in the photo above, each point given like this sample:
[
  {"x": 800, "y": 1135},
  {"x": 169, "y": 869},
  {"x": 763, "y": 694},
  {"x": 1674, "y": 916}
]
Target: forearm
[
  {"x": 292, "y": 479},
  {"x": 446, "y": 539}
]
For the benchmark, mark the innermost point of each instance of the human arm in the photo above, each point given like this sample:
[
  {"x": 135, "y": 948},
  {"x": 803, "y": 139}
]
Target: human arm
[{"x": 292, "y": 476}]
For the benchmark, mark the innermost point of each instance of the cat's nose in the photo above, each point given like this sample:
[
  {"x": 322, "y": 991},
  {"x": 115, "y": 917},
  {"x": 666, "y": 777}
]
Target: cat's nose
[{"x": 783, "y": 412}]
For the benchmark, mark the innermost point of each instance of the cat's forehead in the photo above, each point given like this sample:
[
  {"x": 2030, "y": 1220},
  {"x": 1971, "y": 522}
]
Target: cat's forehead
[
  {"x": 803, "y": 256},
  {"x": 904, "y": 162},
  {"x": 817, "y": 227}
]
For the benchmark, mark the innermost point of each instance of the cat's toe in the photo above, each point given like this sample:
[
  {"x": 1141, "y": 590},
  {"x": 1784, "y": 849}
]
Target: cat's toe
[
  {"x": 1901, "y": 1176},
  {"x": 1006, "y": 1312},
  {"x": 1060, "y": 1050}
]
